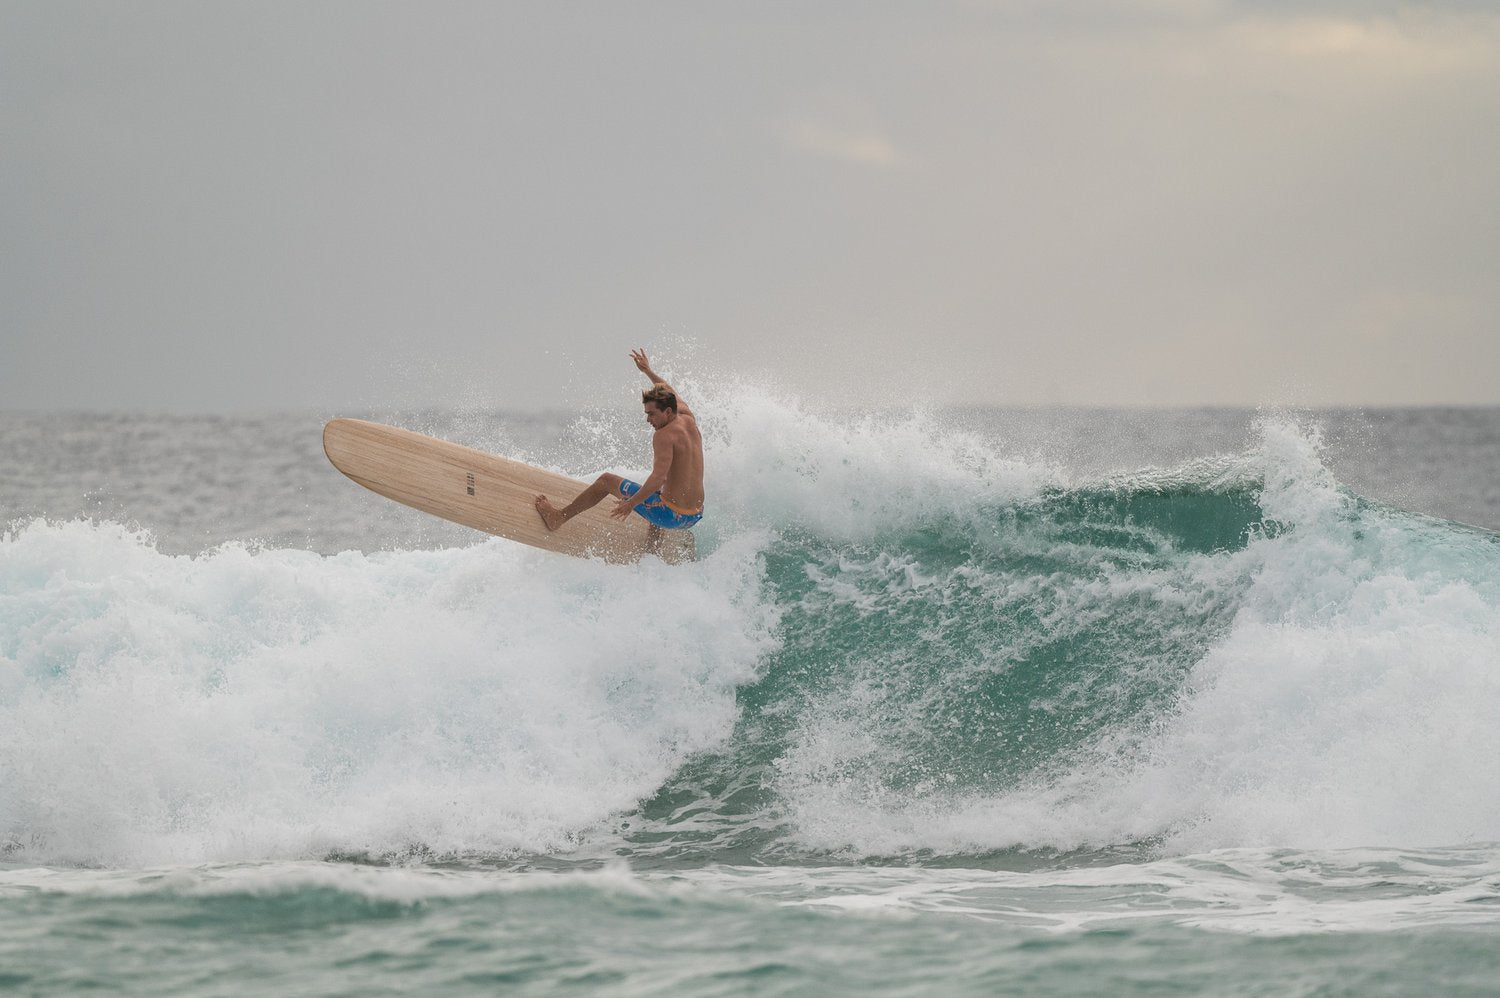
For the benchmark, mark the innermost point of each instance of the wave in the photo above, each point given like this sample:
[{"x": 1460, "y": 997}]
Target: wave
[
  {"x": 900, "y": 643},
  {"x": 275, "y": 703}
]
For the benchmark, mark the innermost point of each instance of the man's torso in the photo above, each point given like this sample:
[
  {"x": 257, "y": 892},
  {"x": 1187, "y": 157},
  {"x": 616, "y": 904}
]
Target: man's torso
[{"x": 684, "y": 485}]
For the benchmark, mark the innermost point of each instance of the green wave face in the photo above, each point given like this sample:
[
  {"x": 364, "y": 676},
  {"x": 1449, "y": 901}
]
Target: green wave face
[{"x": 965, "y": 658}]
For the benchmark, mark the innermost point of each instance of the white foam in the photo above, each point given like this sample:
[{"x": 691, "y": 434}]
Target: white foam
[
  {"x": 1242, "y": 891},
  {"x": 403, "y": 884},
  {"x": 778, "y": 465},
  {"x": 245, "y": 704},
  {"x": 1355, "y": 700},
  {"x": 1246, "y": 891}
]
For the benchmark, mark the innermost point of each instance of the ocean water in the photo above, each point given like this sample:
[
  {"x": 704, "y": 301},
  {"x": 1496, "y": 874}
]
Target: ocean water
[{"x": 958, "y": 702}]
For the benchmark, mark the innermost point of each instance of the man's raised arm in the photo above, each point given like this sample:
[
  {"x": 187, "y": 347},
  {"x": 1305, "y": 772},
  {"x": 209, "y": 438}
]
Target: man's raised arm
[{"x": 639, "y": 356}]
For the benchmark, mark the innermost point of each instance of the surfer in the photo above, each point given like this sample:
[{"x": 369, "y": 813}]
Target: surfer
[{"x": 674, "y": 489}]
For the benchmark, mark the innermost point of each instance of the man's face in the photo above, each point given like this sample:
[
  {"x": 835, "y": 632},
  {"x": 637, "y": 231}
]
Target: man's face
[{"x": 656, "y": 415}]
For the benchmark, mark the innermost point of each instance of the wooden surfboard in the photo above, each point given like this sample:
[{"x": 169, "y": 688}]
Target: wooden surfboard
[{"x": 487, "y": 492}]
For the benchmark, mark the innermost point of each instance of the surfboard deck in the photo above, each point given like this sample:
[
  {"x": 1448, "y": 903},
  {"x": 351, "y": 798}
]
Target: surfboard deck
[{"x": 488, "y": 492}]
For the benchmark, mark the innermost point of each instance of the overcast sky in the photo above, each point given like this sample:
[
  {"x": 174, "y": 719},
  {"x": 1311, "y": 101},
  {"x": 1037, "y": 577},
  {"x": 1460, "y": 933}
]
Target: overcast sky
[{"x": 257, "y": 205}]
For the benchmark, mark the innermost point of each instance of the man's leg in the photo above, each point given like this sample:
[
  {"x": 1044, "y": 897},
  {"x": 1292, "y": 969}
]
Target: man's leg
[{"x": 605, "y": 485}]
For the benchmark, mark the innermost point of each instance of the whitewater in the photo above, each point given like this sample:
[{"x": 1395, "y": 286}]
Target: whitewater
[{"x": 1044, "y": 701}]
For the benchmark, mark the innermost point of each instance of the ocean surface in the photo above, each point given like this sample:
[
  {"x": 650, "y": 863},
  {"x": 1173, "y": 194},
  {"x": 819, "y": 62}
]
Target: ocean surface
[{"x": 978, "y": 701}]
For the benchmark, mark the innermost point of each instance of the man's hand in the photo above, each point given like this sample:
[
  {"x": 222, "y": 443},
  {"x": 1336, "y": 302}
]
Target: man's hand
[
  {"x": 639, "y": 356},
  {"x": 623, "y": 508}
]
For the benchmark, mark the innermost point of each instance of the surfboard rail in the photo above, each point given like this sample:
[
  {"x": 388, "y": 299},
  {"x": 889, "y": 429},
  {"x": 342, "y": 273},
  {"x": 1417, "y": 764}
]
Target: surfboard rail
[{"x": 488, "y": 492}]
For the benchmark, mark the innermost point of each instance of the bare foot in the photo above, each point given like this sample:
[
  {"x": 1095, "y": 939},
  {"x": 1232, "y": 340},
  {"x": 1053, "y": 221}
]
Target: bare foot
[{"x": 551, "y": 515}]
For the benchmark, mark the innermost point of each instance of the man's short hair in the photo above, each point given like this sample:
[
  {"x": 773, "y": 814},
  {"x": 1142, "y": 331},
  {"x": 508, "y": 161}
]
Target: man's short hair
[{"x": 663, "y": 396}]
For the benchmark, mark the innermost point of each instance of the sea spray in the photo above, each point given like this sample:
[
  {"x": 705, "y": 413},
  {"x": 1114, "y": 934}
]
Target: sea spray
[
  {"x": 878, "y": 740},
  {"x": 1334, "y": 683},
  {"x": 902, "y": 640},
  {"x": 245, "y": 703},
  {"x": 1356, "y": 700},
  {"x": 1192, "y": 658}
]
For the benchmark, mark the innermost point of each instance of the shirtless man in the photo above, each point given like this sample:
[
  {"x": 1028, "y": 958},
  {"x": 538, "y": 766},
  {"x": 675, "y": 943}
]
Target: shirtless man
[{"x": 674, "y": 489}]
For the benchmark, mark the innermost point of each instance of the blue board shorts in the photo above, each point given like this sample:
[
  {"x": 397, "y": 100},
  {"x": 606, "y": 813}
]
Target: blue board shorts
[{"x": 656, "y": 510}]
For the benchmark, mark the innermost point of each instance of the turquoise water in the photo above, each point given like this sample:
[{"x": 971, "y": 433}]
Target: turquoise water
[
  {"x": 1159, "y": 702},
  {"x": 1232, "y": 924}
]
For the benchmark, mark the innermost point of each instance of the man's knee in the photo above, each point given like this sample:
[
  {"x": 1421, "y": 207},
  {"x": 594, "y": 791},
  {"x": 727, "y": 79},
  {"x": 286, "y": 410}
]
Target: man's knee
[{"x": 610, "y": 481}]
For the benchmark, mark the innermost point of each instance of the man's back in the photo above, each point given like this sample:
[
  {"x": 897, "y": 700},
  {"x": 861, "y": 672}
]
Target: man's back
[{"x": 684, "y": 485}]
